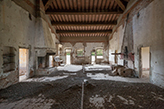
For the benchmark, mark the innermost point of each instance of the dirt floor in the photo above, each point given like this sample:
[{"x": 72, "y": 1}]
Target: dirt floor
[{"x": 63, "y": 90}]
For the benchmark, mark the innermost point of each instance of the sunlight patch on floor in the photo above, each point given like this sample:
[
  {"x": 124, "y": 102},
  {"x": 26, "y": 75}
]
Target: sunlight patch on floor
[
  {"x": 101, "y": 76},
  {"x": 45, "y": 79}
]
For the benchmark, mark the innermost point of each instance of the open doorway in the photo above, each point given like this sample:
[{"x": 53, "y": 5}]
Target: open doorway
[
  {"x": 51, "y": 61},
  {"x": 93, "y": 58},
  {"x": 23, "y": 63},
  {"x": 145, "y": 59},
  {"x": 68, "y": 56}
]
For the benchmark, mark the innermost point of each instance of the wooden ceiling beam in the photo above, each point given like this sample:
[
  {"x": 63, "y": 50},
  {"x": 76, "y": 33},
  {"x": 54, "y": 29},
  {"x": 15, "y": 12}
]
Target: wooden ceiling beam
[
  {"x": 48, "y": 4},
  {"x": 83, "y": 24},
  {"x": 121, "y": 5},
  {"x": 83, "y": 39},
  {"x": 82, "y": 13},
  {"x": 83, "y": 31}
]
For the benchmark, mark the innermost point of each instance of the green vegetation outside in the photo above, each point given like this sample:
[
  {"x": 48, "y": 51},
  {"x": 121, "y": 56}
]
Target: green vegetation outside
[
  {"x": 99, "y": 52},
  {"x": 68, "y": 53}
]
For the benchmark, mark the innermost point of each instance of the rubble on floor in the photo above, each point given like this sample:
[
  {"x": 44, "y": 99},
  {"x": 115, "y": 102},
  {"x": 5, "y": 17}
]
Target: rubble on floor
[
  {"x": 123, "y": 71},
  {"x": 60, "y": 90}
]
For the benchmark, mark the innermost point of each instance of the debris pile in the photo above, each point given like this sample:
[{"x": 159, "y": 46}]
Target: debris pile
[{"x": 122, "y": 71}]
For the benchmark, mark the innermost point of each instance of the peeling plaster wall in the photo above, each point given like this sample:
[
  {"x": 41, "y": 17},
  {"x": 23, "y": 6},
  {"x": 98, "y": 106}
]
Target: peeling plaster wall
[
  {"x": 88, "y": 47},
  {"x": 115, "y": 44},
  {"x": 148, "y": 31},
  {"x": 15, "y": 27},
  {"x": 18, "y": 31},
  {"x": 45, "y": 39}
]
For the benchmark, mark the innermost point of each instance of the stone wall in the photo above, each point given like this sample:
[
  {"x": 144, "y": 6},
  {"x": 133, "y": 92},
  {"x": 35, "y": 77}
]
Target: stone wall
[
  {"x": 147, "y": 29},
  {"x": 19, "y": 28}
]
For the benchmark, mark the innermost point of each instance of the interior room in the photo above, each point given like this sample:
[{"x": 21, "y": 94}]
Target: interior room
[{"x": 81, "y": 54}]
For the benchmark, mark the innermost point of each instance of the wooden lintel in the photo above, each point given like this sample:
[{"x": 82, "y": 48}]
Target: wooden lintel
[{"x": 121, "y": 5}]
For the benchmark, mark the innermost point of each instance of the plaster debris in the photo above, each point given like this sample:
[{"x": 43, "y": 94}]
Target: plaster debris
[
  {"x": 160, "y": 98},
  {"x": 157, "y": 97},
  {"x": 110, "y": 98},
  {"x": 97, "y": 101},
  {"x": 125, "y": 101},
  {"x": 101, "y": 76},
  {"x": 131, "y": 102},
  {"x": 140, "y": 106}
]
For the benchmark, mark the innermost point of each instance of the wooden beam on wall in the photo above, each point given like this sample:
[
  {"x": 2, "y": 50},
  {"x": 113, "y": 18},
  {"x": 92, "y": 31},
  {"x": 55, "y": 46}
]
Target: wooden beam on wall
[
  {"x": 83, "y": 24},
  {"x": 82, "y": 13},
  {"x": 121, "y": 5},
  {"x": 83, "y": 39}
]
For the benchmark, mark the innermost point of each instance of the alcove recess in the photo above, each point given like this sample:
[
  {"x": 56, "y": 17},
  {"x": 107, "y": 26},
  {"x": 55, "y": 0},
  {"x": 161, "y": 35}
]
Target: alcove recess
[{"x": 8, "y": 59}]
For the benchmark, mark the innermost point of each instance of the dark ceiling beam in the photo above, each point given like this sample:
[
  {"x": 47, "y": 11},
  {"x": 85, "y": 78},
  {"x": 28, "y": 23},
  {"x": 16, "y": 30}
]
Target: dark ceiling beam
[
  {"x": 48, "y": 4},
  {"x": 83, "y": 31},
  {"x": 82, "y": 13},
  {"x": 83, "y": 39},
  {"x": 121, "y": 5},
  {"x": 83, "y": 24}
]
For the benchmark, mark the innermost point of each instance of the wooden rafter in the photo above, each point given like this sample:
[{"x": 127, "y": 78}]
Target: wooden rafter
[
  {"x": 48, "y": 4},
  {"x": 83, "y": 24},
  {"x": 83, "y": 13},
  {"x": 83, "y": 31},
  {"x": 121, "y": 5},
  {"x": 83, "y": 39}
]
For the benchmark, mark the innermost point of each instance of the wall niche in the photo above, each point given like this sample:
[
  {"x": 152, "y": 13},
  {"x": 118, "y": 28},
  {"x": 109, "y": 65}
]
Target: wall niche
[{"x": 8, "y": 59}]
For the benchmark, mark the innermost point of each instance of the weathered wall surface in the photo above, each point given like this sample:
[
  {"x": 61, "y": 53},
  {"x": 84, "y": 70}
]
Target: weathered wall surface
[
  {"x": 15, "y": 27},
  {"x": 45, "y": 39},
  {"x": 147, "y": 31},
  {"x": 115, "y": 44},
  {"x": 88, "y": 47},
  {"x": 18, "y": 30}
]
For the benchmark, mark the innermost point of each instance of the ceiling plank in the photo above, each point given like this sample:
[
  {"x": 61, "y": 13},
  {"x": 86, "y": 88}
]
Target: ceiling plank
[
  {"x": 48, "y": 4},
  {"x": 83, "y": 24},
  {"x": 121, "y": 5},
  {"x": 83, "y": 13},
  {"x": 83, "y": 31}
]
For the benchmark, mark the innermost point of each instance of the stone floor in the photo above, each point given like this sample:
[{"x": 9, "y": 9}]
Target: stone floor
[{"x": 76, "y": 89}]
